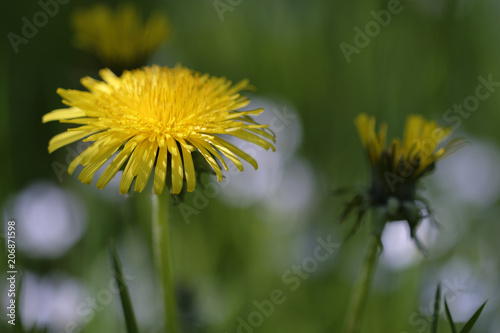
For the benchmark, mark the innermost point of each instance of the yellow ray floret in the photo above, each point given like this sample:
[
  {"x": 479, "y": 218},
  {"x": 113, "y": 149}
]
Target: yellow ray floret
[
  {"x": 419, "y": 147},
  {"x": 373, "y": 143},
  {"x": 118, "y": 37},
  {"x": 156, "y": 118}
]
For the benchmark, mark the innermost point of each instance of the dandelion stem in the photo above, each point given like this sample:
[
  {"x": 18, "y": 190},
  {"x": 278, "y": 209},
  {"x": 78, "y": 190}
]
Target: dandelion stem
[
  {"x": 360, "y": 294},
  {"x": 163, "y": 258}
]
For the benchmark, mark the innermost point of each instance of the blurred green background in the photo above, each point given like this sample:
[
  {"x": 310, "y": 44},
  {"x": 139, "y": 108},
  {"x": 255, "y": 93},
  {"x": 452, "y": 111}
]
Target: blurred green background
[{"x": 238, "y": 242}]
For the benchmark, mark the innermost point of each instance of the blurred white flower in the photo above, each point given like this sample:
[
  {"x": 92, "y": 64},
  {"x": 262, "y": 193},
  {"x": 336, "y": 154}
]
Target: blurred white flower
[
  {"x": 49, "y": 220},
  {"x": 399, "y": 249},
  {"x": 470, "y": 176},
  {"x": 463, "y": 288},
  {"x": 51, "y": 302},
  {"x": 284, "y": 183}
]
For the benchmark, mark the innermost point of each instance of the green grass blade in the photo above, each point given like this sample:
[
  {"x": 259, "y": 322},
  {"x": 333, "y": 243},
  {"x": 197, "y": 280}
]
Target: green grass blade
[
  {"x": 435, "y": 315},
  {"x": 450, "y": 319},
  {"x": 468, "y": 326},
  {"x": 128, "y": 310},
  {"x": 36, "y": 329}
]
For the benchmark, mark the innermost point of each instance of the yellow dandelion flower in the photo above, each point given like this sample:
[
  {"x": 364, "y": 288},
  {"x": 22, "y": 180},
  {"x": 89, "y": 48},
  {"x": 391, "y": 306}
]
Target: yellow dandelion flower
[
  {"x": 119, "y": 38},
  {"x": 392, "y": 194},
  {"x": 414, "y": 155},
  {"x": 157, "y": 117},
  {"x": 397, "y": 168}
]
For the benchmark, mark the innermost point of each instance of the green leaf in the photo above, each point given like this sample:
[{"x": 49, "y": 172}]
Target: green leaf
[
  {"x": 36, "y": 329},
  {"x": 450, "y": 319},
  {"x": 128, "y": 310},
  {"x": 468, "y": 326},
  {"x": 435, "y": 315},
  {"x": 356, "y": 201},
  {"x": 345, "y": 190},
  {"x": 361, "y": 212}
]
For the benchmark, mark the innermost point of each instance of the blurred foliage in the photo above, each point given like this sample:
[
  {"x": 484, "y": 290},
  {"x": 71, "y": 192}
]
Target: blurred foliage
[{"x": 428, "y": 58}]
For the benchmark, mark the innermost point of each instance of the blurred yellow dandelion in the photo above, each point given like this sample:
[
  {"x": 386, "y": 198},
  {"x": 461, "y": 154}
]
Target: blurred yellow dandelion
[
  {"x": 392, "y": 195},
  {"x": 415, "y": 154},
  {"x": 119, "y": 38},
  {"x": 157, "y": 117},
  {"x": 397, "y": 168}
]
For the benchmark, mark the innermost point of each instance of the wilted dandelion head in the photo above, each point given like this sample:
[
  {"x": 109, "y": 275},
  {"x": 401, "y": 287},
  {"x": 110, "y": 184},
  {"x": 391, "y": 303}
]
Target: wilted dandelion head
[
  {"x": 119, "y": 37},
  {"x": 157, "y": 117}
]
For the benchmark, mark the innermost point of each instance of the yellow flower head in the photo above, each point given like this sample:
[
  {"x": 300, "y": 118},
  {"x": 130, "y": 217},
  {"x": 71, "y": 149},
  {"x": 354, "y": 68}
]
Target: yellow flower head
[
  {"x": 396, "y": 169},
  {"x": 118, "y": 37},
  {"x": 414, "y": 155},
  {"x": 157, "y": 117}
]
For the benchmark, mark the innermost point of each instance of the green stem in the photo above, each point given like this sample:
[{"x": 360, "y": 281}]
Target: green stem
[
  {"x": 163, "y": 258},
  {"x": 360, "y": 294}
]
